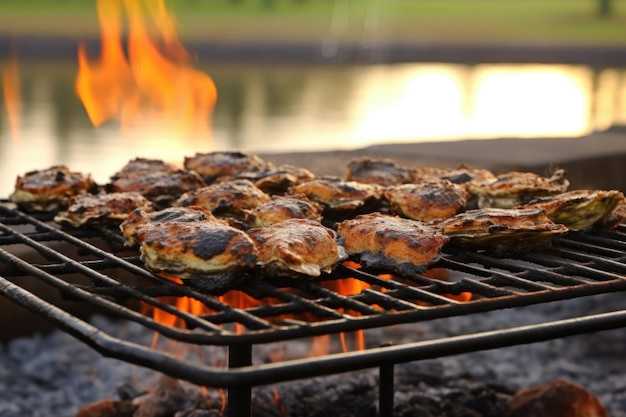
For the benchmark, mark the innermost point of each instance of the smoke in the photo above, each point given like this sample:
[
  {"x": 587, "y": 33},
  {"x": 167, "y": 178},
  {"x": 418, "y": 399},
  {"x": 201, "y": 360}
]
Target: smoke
[{"x": 356, "y": 22}]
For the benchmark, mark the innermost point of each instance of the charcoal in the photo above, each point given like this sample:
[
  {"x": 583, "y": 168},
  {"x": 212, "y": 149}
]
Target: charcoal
[{"x": 459, "y": 385}]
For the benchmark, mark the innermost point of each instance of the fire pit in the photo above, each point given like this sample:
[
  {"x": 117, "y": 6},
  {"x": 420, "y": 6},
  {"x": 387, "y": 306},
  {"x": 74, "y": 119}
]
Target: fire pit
[{"x": 94, "y": 268}]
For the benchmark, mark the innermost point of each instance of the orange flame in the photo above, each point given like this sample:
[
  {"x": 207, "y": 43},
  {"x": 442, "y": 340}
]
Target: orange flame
[
  {"x": 11, "y": 87},
  {"x": 279, "y": 402},
  {"x": 186, "y": 304},
  {"x": 155, "y": 82}
]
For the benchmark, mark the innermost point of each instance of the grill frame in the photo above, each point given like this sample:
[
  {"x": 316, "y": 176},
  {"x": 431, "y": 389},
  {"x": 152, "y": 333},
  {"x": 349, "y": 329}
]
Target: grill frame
[{"x": 576, "y": 265}]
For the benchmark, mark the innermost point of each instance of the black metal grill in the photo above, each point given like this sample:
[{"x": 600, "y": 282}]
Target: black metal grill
[{"x": 94, "y": 267}]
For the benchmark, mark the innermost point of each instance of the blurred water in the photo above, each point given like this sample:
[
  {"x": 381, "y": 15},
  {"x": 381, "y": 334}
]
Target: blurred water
[{"x": 299, "y": 108}]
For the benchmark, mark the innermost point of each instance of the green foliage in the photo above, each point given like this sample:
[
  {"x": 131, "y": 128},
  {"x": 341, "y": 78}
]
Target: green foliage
[{"x": 569, "y": 21}]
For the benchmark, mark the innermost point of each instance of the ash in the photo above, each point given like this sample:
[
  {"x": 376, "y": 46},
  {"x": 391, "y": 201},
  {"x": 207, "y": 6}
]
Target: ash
[{"x": 57, "y": 375}]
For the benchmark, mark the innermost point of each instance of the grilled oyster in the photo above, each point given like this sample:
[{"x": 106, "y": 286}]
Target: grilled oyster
[
  {"x": 616, "y": 217},
  {"x": 284, "y": 207},
  {"x": 189, "y": 243},
  {"x": 391, "y": 243},
  {"x": 213, "y": 165},
  {"x": 206, "y": 249},
  {"x": 296, "y": 247},
  {"x": 377, "y": 171},
  {"x": 505, "y": 230},
  {"x": 277, "y": 180},
  {"x": 578, "y": 209},
  {"x": 226, "y": 199},
  {"x": 89, "y": 209},
  {"x": 50, "y": 189},
  {"x": 189, "y": 249},
  {"x": 515, "y": 188},
  {"x": 337, "y": 195},
  {"x": 160, "y": 187},
  {"x": 142, "y": 166},
  {"x": 461, "y": 175},
  {"x": 427, "y": 201},
  {"x": 142, "y": 219}
]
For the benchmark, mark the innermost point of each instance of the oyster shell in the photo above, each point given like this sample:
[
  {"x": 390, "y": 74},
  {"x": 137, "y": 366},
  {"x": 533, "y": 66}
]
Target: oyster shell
[
  {"x": 578, "y": 209},
  {"x": 377, "y": 171},
  {"x": 296, "y": 247},
  {"x": 50, "y": 189},
  {"x": 391, "y": 243},
  {"x": 339, "y": 196},
  {"x": 112, "y": 208},
  {"x": 283, "y": 208},
  {"x": 427, "y": 201},
  {"x": 506, "y": 230},
  {"x": 226, "y": 199},
  {"x": 515, "y": 188}
]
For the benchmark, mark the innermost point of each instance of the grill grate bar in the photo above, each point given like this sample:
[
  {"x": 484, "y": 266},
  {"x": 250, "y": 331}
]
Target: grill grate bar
[
  {"x": 386, "y": 301},
  {"x": 604, "y": 243},
  {"x": 480, "y": 288},
  {"x": 407, "y": 292}
]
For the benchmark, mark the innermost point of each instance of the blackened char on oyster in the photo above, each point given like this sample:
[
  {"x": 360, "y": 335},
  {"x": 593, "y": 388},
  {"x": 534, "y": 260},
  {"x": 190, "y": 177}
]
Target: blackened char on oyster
[
  {"x": 391, "y": 243},
  {"x": 50, "y": 189},
  {"x": 295, "y": 248}
]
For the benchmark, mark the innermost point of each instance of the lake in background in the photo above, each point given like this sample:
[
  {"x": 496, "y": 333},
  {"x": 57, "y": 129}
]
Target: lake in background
[{"x": 264, "y": 108}]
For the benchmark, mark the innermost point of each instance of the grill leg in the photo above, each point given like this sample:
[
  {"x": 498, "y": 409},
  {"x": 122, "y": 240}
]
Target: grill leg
[
  {"x": 239, "y": 399},
  {"x": 385, "y": 391}
]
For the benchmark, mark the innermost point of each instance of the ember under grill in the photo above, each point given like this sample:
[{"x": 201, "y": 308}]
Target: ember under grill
[{"x": 93, "y": 266}]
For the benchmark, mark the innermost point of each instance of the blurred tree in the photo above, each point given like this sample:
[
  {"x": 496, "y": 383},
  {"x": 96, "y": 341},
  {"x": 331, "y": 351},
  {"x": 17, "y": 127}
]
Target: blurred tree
[
  {"x": 268, "y": 4},
  {"x": 605, "y": 8}
]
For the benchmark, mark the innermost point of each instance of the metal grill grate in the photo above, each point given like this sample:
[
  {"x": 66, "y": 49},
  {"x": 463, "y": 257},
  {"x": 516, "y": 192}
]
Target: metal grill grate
[
  {"x": 577, "y": 265},
  {"x": 94, "y": 267}
]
